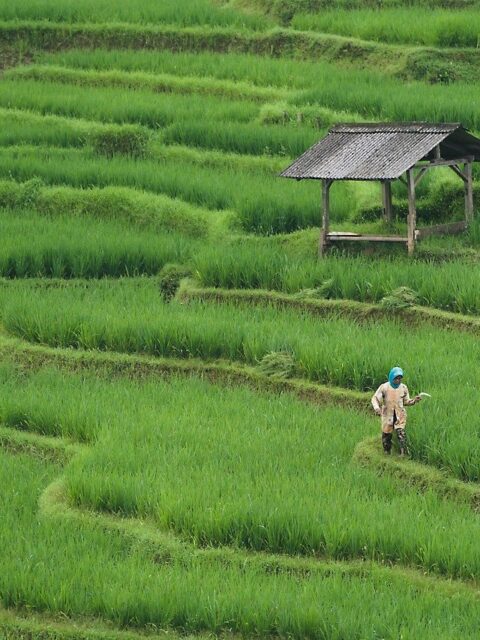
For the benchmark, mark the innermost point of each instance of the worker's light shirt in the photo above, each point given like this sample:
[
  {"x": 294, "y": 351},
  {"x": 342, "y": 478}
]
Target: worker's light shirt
[{"x": 392, "y": 402}]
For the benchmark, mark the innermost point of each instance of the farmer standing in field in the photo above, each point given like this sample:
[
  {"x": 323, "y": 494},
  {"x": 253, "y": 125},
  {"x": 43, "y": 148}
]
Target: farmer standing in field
[{"x": 389, "y": 401}]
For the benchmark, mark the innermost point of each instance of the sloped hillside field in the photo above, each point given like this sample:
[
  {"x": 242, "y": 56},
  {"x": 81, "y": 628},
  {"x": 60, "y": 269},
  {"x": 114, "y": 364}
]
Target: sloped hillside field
[{"x": 187, "y": 444}]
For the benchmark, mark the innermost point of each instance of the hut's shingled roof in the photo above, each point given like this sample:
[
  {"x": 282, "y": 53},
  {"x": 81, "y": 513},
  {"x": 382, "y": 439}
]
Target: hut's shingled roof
[{"x": 380, "y": 151}]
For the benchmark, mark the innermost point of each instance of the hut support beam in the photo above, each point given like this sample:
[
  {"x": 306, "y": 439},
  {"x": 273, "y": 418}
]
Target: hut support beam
[
  {"x": 412, "y": 213},
  {"x": 468, "y": 193},
  {"x": 322, "y": 245},
  {"x": 467, "y": 176},
  {"x": 387, "y": 201}
]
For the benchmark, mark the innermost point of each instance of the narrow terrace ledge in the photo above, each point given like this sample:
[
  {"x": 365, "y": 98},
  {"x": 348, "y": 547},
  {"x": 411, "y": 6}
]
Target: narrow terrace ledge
[{"x": 386, "y": 152}]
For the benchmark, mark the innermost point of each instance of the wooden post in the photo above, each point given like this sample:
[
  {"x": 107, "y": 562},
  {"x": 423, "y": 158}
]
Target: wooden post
[
  {"x": 468, "y": 184},
  {"x": 412, "y": 213},
  {"x": 387, "y": 201},
  {"x": 322, "y": 245}
]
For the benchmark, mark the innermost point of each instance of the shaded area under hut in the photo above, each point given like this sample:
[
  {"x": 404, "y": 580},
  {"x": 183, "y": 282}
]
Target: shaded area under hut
[{"x": 388, "y": 152}]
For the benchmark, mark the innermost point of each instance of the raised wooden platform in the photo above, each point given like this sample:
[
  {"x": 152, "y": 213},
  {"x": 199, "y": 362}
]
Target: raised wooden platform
[
  {"x": 434, "y": 230},
  {"x": 359, "y": 237}
]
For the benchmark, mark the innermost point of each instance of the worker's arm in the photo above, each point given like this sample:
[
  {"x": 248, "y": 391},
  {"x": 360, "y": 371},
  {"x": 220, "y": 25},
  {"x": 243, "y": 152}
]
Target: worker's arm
[
  {"x": 407, "y": 401},
  {"x": 377, "y": 400}
]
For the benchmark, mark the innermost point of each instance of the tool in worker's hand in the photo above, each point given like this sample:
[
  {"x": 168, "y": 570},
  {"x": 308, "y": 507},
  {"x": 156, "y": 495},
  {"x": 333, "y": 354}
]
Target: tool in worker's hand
[{"x": 424, "y": 395}]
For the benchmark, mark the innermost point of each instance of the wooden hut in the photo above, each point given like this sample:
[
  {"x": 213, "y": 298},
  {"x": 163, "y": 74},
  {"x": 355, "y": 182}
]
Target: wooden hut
[{"x": 387, "y": 152}]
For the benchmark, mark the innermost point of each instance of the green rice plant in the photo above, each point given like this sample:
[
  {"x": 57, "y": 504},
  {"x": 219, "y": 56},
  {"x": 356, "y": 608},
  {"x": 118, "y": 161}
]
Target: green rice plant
[
  {"x": 411, "y": 63},
  {"x": 182, "y": 13},
  {"x": 241, "y": 486},
  {"x": 21, "y": 127},
  {"x": 195, "y": 592},
  {"x": 65, "y": 247},
  {"x": 176, "y": 330},
  {"x": 115, "y": 105},
  {"x": 263, "y": 204},
  {"x": 375, "y": 95},
  {"x": 240, "y": 461},
  {"x": 260, "y": 71},
  {"x": 287, "y": 10},
  {"x": 129, "y": 140},
  {"x": 25, "y": 127},
  {"x": 20, "y": 195},
  {"x": 140, "y": 209},
  {"x": 247, "y": 138},
  {"x": 473, "y": 233},
  {"x": 432, "y": 27},
  {"x": 212, "y": 159},
  {"x": 160, "y": 83},
  {"x": 315, "y": 116},
  {"x": 201, "y": 187},
  {"x": 333, "y": 351},
  {"x": 452, "y": 286},
  {"x": 180, "y": 118}
]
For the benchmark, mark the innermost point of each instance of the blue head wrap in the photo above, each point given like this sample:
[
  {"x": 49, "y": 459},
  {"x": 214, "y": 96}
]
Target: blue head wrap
[{"x": 396, "y": 371}]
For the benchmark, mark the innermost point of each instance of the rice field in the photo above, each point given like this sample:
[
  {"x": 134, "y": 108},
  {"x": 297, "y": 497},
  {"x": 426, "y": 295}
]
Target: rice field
[
  {"x": 196, "y": 468},
  {"x": 272, "y": 210},
  {"x": 66, "y": 247},
  {"x": 153, "y": 586},
  {"x": 448, "y": 285},
  {"x": 130, "y": 317},
  {"x": 194, "y": 12},
  {"x": 431, "y": 27}
]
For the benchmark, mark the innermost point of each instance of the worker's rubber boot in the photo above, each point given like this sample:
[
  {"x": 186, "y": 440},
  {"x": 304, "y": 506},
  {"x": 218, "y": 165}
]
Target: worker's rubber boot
[
  {"x": 402, "y": 442},
  {"x": 387, "y": 443}
]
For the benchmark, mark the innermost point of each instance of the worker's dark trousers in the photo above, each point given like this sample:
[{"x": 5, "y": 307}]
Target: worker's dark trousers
[{"x": 388, "y": 437}]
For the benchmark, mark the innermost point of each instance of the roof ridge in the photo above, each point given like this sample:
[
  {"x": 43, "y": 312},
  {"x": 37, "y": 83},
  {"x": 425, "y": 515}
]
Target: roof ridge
[{"x": 401, "y": 127}]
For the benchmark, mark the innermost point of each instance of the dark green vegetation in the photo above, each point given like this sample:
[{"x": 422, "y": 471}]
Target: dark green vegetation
[{"x": 198, "y": 458}]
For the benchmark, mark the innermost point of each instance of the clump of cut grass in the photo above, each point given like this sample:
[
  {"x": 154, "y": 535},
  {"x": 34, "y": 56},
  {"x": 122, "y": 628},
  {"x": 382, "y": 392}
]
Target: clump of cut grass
[
  {"x": 277, "y": 364},
  {"x": 326, "y": 290},
  {"x": 400, "y": 298}
]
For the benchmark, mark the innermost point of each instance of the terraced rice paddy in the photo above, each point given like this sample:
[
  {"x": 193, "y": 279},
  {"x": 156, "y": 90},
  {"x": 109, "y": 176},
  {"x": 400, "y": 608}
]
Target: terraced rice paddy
[
  {"x": 440, "y": 27},
  {"x": 194, "y": 458}
]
